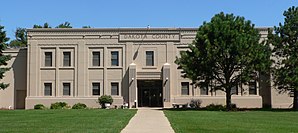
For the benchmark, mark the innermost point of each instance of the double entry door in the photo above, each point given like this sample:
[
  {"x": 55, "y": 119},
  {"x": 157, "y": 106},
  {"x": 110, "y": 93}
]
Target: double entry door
[{"x": 150, "y": 93}]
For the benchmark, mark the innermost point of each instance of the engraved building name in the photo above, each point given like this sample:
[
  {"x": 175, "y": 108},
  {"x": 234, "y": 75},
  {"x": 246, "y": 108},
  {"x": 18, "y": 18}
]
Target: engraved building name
[{"x": 149, "y": 37}]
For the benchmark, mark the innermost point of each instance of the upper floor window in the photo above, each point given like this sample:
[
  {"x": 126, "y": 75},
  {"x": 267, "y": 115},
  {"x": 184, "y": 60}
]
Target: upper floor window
[
  {"x": 114, "y": 89},
  {"x": 66, "y": 89},
  {"x": 95, "y": 88},
  {"x": 252, "y": 86},
  {"x": 184, "y": 88},
  {"x": 66, "y": 59},
  {"x": 149, "y": 58},
  {"x": 115, "y": 58},
  {"x": 48, "y": 89},
  {"x": 48, "y": 59},
  {"x": 95, "y": 58}
]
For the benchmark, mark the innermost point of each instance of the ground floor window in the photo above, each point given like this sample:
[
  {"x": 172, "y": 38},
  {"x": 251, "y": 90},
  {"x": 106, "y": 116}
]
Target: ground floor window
[
  {"x": 95, "y": 88},
  {"x": 48, "y": 89},
  {"x": 184, "y": 88},
  {"x": 114, "y": 88},
  {"x": 204, "y": 89},
  {"x": 234, "y": 90},
  {"x": 66, "y": 89},
  {"x": 252, "y": 85}
]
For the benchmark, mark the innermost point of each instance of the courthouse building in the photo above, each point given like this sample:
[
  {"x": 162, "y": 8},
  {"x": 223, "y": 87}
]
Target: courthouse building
[{"x": 133, "y": 65}]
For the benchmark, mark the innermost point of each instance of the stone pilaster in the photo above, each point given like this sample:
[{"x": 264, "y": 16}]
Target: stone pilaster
[
  {"x": 166, "y": 78},
  {"x": 132, "y": 86}
]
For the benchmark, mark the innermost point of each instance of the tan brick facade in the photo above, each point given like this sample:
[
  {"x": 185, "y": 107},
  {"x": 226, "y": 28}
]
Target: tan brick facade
[{"x": 134, "y": 65}]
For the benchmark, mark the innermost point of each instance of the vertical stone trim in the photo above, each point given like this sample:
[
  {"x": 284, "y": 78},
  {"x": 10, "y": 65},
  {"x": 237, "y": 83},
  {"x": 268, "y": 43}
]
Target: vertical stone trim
[
  {"x": 28, "y": 69},
  {"x": 105, "y": 65},
  {"x": 128, "y": 53},
  {"x": 57, "y": 81},
  {"x": 132, "y": 85},
  {"x": 55, "y": 85},
  {"x": 81, "y": 61},
  {"x": 166, "y": 78},
  {"x": 33, "y": 69}
]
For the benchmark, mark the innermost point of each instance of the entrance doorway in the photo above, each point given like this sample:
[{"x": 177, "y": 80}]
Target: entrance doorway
[{"x": 150, "y": 93}]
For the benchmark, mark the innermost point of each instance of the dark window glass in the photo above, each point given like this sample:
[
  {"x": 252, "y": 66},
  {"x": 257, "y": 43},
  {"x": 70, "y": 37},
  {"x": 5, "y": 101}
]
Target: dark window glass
[
  {"x": 184, "y": 88},
  {"x": 115, "y": 58},
  {"x": 149, "y": 58},
  {"x": 204, "y": 89},
  {"x": 48, "y": 89},
  {"x": 66, "y": 89},
  {"x": 66, "y": 59},
  {"x": 234, "y": 90},
  {"x": 95, "y": 88},
  {"x": 96, "y": 58},
  {"x": 48, "y": 59},
  {"x": 252, "y": 87},
  {"x": 115, "y": 89}
]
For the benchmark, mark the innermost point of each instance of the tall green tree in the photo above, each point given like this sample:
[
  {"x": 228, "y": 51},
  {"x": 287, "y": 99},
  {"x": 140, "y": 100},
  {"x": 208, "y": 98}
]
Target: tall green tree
[
  {"x": 3, "y": 58},
  {"x": 20, "y": 38},
  {"x": 225, "y": 53},
  {"x": 64, "y": 25},
  {"x": 285, "y": 52}
]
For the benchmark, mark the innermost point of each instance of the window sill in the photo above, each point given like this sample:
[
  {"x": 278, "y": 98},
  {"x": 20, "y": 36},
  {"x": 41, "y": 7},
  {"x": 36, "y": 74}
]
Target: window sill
[
  {"x": 67, "y": 68},
  {"x": 95, "y": 67},
  {"x": 149, "y": 67},
  {"x": 185, "y": 95},
  {"x": 66, "y": 96},
  {"x": 116, "y": 96},
  {"x": 115, "y": 67},
  {"x": 47, "y": 68}
]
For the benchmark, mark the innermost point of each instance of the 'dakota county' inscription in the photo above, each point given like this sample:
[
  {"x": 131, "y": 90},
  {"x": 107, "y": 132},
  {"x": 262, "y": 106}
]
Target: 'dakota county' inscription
[{"x": 149, "y": 37}]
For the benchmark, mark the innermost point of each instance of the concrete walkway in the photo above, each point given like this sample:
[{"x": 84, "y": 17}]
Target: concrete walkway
[{"x": 148, "y": 120}]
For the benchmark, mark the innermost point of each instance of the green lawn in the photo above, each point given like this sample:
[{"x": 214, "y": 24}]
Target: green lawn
[
  {"x": 237, "y": 122},
  {"x": 61, "y": 121}
]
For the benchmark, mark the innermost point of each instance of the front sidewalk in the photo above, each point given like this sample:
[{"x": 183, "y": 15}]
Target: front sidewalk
[{"x": 148, "y": 120}]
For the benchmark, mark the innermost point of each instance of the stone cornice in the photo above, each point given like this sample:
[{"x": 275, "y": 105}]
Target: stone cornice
[
  {"x": 106, "y": 29},
  {"x": 111, "y": 33},
  {"x": 120, "y": 30}
]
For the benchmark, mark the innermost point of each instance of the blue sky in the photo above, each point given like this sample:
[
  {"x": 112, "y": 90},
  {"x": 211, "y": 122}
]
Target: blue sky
[{"x": 136, "y": 13}]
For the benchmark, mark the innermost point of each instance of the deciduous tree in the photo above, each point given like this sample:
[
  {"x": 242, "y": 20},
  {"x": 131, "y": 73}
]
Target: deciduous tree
[
  {"x": 225, "y": 53},
  {"x": 45, "y": 25},
  {"x": 21, "y": 38},
  {"x": 64, "y": 25}
]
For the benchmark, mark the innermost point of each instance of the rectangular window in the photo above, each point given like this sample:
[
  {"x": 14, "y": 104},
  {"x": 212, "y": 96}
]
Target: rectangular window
[
  {"x": 204, "y": 89},
  {"x": 252, "y": 85},
  {"x": 234, "y": 90},
  {"x": 184, "y": 88},
  {"x": 48, "y": 59},
  {"x": 95, "y": 58},
  {"x": 95, "y": 88},
  {"x": 115, "y": 58},
  {"x": 48, "y": 89},
  {"x": 66, "y": 89},
  {"x": 66, "y": 59},
  {"x": 115, "y": 89},
  {"x": 149, "y": 58}
]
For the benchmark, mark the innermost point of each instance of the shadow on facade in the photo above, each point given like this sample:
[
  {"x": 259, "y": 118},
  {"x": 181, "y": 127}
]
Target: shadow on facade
[{"x": 19, "y": 68}]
